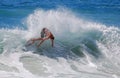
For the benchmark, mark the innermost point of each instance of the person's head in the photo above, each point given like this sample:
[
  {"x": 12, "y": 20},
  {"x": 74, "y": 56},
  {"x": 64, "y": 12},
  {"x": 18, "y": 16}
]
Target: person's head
[{"x": 43, "y": 29}]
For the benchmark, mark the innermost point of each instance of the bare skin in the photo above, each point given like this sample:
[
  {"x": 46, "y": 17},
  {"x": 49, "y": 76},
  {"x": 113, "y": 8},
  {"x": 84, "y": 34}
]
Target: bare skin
[
  {"x": 31, "y": 41},
  {"x": 48, "y": 34}
]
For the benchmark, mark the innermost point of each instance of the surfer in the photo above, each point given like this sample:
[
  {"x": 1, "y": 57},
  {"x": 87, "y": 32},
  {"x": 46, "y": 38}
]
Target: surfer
[{"x": 45, "y": 35}]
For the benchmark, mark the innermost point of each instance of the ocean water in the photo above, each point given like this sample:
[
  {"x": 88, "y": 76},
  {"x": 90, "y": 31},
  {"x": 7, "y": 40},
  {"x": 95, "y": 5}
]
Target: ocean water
[{"x": 87, "y": 39}]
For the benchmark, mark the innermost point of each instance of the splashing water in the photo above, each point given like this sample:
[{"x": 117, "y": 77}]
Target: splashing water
[{"x": 82, "y": 48}]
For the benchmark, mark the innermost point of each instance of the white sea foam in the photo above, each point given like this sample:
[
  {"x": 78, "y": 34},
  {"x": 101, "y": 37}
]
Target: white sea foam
[{"x": 70, "y": 31}]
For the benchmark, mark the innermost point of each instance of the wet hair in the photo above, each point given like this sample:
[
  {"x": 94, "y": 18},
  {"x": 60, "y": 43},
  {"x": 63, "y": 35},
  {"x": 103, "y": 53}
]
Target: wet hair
[
  {"x": 43, "y": 33},
  {"x": 43, "y": 29}
]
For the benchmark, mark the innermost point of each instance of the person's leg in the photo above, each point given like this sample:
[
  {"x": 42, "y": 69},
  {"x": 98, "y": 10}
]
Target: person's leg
[
  {"x": 36, "y": 39},
  {"x": 31, "y": 41},
  {"x": 40, "y": 43}
]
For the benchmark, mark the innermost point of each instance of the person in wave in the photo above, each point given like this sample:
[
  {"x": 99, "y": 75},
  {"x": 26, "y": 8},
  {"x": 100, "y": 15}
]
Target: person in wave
[{"x": 45, "y": 35}]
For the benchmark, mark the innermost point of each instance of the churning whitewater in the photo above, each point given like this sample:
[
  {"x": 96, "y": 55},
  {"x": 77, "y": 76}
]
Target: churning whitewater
[{"x": 83, "y": 49}]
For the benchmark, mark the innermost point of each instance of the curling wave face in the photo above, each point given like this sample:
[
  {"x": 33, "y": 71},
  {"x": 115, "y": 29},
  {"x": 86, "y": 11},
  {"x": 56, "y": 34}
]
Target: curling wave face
[{"x": 82, "y": 48}]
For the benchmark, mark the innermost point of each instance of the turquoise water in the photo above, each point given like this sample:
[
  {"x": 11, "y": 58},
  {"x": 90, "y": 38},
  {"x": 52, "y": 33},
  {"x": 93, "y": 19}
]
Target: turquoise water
[
  {"x": 101, "y": 11},
  {"x": 87, "y": 39}
]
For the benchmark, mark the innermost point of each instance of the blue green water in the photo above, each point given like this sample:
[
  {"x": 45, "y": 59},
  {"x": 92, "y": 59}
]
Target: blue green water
[
  {"x": 13, "y": 11},
  {"x": 87, "y": 39}
]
